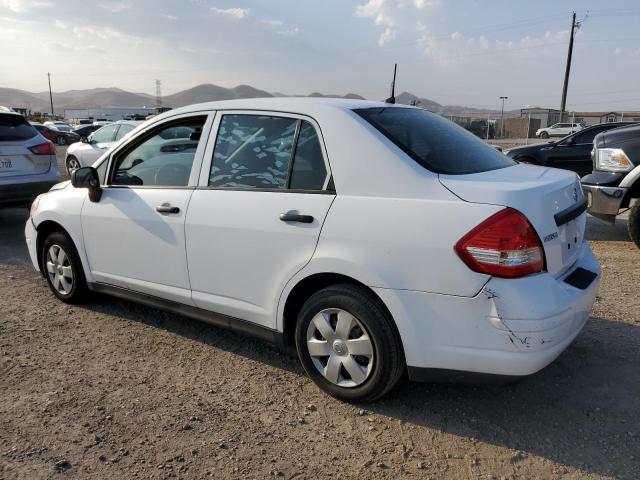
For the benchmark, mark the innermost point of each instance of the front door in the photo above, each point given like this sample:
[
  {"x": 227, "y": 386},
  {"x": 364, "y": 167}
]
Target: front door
[
  {"x": 255, "y": 219},
  {"x": 134, "y": 236},
  {"x": 575, "y": 153}
]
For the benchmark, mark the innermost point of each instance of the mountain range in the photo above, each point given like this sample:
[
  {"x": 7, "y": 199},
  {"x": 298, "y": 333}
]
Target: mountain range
[{"x": 116, "y": 97}]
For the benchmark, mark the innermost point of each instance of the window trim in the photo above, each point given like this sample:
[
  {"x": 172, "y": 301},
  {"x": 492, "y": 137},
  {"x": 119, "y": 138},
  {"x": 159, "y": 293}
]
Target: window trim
[
  {"x": 203, "y": 183},
  {"x": 147, "y": 133}
]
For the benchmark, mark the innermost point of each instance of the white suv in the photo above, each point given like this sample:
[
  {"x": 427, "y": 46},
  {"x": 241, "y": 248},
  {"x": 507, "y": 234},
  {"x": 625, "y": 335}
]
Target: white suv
[
  {"x": 374, "y": 238},
  {"x": 559, "y": 130}
]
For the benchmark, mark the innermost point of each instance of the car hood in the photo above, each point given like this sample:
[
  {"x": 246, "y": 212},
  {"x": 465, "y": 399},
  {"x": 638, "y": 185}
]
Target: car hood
[{"x": 528, "y": 149}]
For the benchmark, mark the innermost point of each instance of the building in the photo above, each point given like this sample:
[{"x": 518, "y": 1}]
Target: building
[
  {"x": 547, "y": 116},
  {"x": 594, "y": 118},
  {"x": 107, "y": 113}
]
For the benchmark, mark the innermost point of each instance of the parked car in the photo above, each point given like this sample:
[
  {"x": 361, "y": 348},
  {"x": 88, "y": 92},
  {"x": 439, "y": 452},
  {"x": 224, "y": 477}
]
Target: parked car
[
  {"x": 571, "y": 153},
  {"x": 28, "y": 165},
  {"x": 56, "y": 136},
  {"x": 85, "y": 130},
  {"x": 559, "y": 130},
  {"x": 85, "y": 153},
  {"x": 59, "y": 125},
  {"x": 614, "y": 184},
  {"x": 376, "y": 238}
]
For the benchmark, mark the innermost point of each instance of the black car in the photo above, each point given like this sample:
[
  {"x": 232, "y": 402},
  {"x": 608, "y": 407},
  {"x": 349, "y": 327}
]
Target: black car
[
  {"x": 615, "y": 180},
  {"x": 85, "y": 130},
  {"x": 572, "y": 152}
]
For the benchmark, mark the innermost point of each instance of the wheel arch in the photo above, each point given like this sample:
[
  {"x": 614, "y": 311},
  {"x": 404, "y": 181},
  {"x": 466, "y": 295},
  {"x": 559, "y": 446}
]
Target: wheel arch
[
  {"x": 44, "y": 229},
  {"x": 308, "y": 286}
]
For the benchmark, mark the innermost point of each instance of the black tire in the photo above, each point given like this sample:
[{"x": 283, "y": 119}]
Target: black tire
[
  {"x": 78, "y": 292},
  {"x": 67, "y": 162},
  {"x": 388, "y": 356},
  {"x": 544, "y": 135},
  {"x": 633, "y": 223},
  {"x": 61, "y": 140}
]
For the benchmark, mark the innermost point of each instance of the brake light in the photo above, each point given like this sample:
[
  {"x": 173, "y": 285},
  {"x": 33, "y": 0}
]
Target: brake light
[
  {"x": 504, "y": 245},
  {"x": 47, "y": 148}
]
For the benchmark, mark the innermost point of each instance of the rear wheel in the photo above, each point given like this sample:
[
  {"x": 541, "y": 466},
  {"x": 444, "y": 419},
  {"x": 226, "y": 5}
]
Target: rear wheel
[
  {"x": 634, "y": 223},
  {"x": 63, "y": 268},
  {"x": 348, "y": 345},
  {"x": 72, "y": 164},
  {"x": 544, "y": 135},
  {"x": 61, "y": 140}
]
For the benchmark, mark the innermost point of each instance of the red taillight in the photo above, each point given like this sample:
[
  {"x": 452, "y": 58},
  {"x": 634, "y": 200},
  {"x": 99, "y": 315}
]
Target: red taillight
[
  {"x": 504, "y": 245},
  {"x": 47, "y": 148}
]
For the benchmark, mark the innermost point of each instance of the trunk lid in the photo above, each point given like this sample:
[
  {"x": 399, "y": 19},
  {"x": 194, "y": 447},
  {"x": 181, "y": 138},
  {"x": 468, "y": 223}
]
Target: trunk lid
[{"x": 539, "y": 193}]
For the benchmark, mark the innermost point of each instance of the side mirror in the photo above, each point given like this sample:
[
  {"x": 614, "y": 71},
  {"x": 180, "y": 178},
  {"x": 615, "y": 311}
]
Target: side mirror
[
  {"x": 87, "y": 177},
  {"x": 84, "y": 139}
]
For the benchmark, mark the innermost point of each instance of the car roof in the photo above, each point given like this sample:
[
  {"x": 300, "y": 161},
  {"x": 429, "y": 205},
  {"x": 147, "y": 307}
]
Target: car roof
[{"x": 302, "y": 105}]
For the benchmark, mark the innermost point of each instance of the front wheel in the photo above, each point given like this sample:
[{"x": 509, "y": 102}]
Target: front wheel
[
  {"x": 63, "y": 268},
  {"x": 544, "y": 135},
  {"x": 634, "y": 223},
  {"x": 348, "y": 345},
  {"x": 72, "y": 164}
]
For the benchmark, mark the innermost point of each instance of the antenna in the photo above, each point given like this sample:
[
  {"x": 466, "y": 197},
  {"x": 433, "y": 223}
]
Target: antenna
[
  {"x": 392, "y": 98},
  {"x": 158, "y": 94}
]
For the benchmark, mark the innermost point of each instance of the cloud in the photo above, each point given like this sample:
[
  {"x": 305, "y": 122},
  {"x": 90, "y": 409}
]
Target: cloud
[
  {"x": 116, "y": 7},
  {"x": 168, "y": 16},
  {"x": 236, "y": 12},
  {"x": 617, "y": 51},
  {"x": 394, "y": 15},
  {"x": 20, "y": 6}
]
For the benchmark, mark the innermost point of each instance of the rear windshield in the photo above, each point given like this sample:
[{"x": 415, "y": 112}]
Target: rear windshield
[
  {"x": 435, "y": 142},
  {"x": 15, "y": 128}
]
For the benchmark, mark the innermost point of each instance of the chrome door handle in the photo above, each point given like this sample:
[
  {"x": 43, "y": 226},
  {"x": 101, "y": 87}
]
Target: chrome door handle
[{"x": 167, "y": 208}]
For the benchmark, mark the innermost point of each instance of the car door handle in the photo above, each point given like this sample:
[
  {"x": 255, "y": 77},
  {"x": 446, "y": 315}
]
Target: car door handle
[
  {"x": 296, "y": 217},
  {"x": 167, "y": 208}
]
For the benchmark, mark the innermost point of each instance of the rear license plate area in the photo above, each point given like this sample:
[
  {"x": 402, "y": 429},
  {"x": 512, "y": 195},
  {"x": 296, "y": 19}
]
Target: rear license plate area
[{"x": 571, "y": 238}]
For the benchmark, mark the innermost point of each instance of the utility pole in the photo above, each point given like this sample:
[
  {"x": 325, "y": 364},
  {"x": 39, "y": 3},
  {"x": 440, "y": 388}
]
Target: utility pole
[
  {"x": 568, "y": 68},
  {"x": 392, "y": 98},
  {"x": 502, "y": 117},
  {"x": 158, "y": 95},
  {"x": 50, "y": 95}
]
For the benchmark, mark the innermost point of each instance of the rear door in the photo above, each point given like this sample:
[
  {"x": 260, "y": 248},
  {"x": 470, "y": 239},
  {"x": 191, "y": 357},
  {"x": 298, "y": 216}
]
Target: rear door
[
  {"x": 16, "y": 160},
  {"x": 255, "y": 218}
]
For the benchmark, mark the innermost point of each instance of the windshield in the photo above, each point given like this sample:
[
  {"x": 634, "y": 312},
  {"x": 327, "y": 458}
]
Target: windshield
[
  {"x": 435, "y": 142},
  {"x": 15, "y": 128}
]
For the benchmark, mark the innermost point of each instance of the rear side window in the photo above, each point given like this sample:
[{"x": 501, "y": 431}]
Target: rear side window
[
  {"x": 309, "y": 171},
  {"x": 14, "y": 128},
  {"x": 252, "y": 151},
  {"x": 123, "y": 130},
  {"x": 434, "y": 142}
]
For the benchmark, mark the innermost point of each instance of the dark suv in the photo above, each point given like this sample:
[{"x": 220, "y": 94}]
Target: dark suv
[
  {"x": 614, "y": 183},
  {"x": 573, "y": 152}
]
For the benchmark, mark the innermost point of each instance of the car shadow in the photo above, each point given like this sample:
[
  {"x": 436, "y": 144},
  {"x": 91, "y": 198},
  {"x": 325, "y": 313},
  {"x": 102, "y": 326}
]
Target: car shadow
[
  {"x": 597, "y": 230},
  {"x": 579, "y": 412}
]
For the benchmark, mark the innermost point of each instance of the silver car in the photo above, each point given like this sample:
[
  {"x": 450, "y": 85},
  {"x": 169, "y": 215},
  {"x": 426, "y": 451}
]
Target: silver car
[{"x": 28, "y": 165}]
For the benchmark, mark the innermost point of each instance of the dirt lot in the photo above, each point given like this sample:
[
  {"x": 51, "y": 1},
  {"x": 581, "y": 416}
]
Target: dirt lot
[{"x": 111, "y": 389}]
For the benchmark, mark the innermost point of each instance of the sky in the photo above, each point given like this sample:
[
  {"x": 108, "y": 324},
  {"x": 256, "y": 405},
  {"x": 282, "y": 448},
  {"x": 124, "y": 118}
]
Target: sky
[{"x": 452, "y": 51}]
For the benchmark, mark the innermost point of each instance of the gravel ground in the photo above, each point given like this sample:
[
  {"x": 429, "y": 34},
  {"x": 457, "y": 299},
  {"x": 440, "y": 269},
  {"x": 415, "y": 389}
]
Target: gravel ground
[{"x": 111, "y": 389}]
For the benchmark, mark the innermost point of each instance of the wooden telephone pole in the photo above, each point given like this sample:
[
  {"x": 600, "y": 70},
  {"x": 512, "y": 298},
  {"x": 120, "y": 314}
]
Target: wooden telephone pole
[{"x": 568, "y": 67}]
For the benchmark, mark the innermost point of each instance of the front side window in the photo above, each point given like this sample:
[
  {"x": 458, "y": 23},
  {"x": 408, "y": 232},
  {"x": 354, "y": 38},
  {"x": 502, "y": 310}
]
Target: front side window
[
  {"x": 252, "y": 151},
  {"x": 123, "y": 130},
  {"x": 160, "y": 159},
  {"x": 433, "y": 141},
  {"x": 104, "y": 135}
]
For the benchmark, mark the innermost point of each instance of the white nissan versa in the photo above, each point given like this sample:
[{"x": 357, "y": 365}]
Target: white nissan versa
[{"x": 375, "y": 238}]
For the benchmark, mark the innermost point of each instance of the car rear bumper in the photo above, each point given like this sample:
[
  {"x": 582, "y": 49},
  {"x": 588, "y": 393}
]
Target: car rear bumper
[
  {"x": 512, "y": 328},
  {"x": 23, "y": 193}
]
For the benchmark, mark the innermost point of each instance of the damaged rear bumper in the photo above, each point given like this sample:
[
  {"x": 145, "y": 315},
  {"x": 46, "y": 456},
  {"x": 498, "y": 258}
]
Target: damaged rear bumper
[{"x": 513, "y": 327}]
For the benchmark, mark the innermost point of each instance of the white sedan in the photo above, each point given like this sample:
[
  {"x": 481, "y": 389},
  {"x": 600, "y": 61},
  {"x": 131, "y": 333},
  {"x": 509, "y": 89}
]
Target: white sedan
[
  {"x": 85, "y": 153},
  {"x": 371, "y": 238}
]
